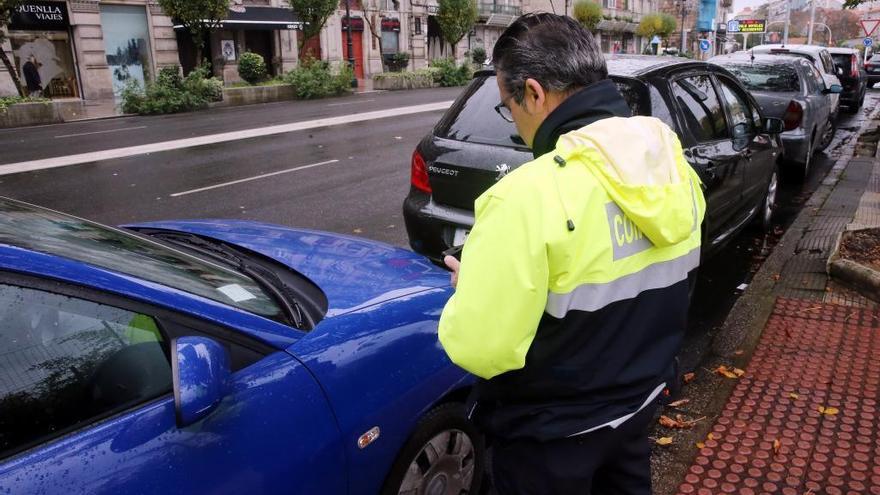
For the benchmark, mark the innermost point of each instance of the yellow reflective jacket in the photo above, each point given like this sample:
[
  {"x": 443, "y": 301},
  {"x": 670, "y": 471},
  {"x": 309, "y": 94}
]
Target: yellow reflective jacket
[{"x": 545, "y": 311}]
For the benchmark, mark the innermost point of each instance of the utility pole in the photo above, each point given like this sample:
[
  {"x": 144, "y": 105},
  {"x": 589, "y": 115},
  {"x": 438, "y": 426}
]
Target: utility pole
[
  {"x": 683, "y": 29},
  {"x": 812, "y": 22},
  {"x": 787, "y": 22}
]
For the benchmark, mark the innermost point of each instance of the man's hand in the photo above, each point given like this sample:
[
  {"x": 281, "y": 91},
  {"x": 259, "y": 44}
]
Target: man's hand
[{"x": 453, "y": 265}]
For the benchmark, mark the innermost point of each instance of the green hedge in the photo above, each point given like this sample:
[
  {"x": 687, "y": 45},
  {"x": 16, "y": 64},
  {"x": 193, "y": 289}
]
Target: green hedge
[
  {"x": 450, "y": 74},
  {"x": 316, "y": 79},
  {"x": 8, "y": 101},
  {"x": 171, "y": 93},
  {"x": 252, "y": 67}
]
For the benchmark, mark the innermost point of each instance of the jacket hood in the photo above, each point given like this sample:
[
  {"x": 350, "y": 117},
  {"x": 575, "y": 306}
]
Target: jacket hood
[
  {"x": 640, "y": 163},
  {"x": 597, "y": 101}
]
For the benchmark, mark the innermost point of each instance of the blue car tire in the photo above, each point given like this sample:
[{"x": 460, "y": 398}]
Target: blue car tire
[{"x": 445, "y": 454}]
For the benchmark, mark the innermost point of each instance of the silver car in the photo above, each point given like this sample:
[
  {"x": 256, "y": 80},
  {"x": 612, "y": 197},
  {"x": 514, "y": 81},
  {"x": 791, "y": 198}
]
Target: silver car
[{"x": 792, "y": 89}]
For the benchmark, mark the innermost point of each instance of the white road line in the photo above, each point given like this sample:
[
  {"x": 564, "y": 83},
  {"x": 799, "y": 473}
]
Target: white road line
[
  {"x": 349, "y": 103},
  {"x": 100, "y": 132},
  {"x": 65, "y": 161},
  {"x": 248, "y": 179}
]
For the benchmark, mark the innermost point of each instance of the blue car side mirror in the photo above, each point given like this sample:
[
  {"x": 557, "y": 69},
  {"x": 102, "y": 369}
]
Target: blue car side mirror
[
  {"x": 200, "y": 367},
  {"x": 834, "y": 89}
]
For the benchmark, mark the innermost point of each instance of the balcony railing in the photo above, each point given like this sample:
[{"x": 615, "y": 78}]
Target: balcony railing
[{"x": 487, "y": 9}]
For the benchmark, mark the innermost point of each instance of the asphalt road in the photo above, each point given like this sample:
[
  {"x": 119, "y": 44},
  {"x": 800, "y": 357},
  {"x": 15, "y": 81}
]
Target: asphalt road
[{"x": 361, "y": 193}]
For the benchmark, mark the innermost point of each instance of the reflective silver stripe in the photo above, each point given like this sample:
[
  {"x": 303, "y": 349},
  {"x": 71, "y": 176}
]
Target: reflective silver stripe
[{"x": 592, "y": 297}]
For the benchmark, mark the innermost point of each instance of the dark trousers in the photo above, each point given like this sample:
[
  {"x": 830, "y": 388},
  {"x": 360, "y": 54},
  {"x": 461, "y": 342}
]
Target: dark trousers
[{"x": 607, "y": 461}]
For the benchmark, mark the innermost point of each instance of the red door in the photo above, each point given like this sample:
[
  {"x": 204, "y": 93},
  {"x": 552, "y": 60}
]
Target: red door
[{"x": 357, "y": 46}]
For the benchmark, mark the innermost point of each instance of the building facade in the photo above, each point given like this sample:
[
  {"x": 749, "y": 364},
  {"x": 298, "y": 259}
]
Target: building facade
[{"x": 87, "y": 49}]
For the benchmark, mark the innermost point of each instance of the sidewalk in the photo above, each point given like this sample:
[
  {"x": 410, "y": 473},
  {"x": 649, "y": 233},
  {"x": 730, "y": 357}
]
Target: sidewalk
[{"x": 804, "y": 416}]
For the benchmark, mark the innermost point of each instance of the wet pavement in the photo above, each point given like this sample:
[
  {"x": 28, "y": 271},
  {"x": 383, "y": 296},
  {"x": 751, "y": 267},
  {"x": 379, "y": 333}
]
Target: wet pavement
[
  {"x": 720, "y": 277},
  {"x": 798, "y": 414}
]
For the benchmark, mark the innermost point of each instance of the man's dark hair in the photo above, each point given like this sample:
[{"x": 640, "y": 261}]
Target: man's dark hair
[{"x": 554, "y": 50}]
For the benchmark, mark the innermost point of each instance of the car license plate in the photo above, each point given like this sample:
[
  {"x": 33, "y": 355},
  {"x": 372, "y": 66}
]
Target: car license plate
[{"x": 460, "y": 236}]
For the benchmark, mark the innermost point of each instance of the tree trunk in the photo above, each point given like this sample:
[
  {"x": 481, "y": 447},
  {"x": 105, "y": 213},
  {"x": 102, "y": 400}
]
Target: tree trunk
[{"x": 13, "y": 73}]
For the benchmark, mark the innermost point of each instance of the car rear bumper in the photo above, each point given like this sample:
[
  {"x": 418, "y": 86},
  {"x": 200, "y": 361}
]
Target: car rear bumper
[
  {"x": 431, "y": 227},
  {"x": 796, "y": 147}
]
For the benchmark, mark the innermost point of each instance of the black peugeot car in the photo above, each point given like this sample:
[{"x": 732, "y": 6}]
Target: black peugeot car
[
  {"x": 852, "y": 76},
  {"x": 733, "y": 148}
]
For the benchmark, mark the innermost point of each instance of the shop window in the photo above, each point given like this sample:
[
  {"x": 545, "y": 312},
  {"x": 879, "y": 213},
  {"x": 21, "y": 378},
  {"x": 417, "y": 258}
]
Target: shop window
[
  {"x": 127, "y": 45},
  {"x": 45, "y": 62}
]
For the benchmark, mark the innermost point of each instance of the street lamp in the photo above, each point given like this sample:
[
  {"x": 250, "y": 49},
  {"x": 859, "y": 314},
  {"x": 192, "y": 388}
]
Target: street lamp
[
  {"x": 354, "y": 82},
  {"x": 683, "y": 5},
  {"x": 830, "y": 37}
]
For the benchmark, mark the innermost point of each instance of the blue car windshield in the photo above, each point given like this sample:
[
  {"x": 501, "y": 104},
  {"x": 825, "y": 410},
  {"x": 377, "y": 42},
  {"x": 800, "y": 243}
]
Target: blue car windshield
[{"x": 54, "y": 233}]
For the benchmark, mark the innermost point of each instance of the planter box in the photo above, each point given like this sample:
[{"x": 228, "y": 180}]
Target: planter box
[
  {"x": 395, "y": 83},
  {"x": 41, "y": 113},
  {"x": 252, "y": 95}
]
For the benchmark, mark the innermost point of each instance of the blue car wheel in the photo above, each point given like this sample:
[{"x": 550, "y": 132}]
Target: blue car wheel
[{"x": 444, "y": 456}]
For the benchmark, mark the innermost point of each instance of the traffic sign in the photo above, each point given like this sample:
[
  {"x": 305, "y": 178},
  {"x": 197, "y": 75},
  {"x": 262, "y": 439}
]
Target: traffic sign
[
  {"x": 747, "y": 26},
  {"x": 869, "y": 42},
  {"x": 705, "y": 45},
  {"x": 870, "y": 25}
]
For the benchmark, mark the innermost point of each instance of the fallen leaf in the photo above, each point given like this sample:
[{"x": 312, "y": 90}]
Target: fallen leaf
[
  {"x": 668, "y": 422},
  {"x": 701, "y": 445},
  {"x": 358, "y": 231},
  {"x": 828, "y": 411},
  {"x": 679, "y": 403},
  {"x": 664, "y": 440},
  {"x": 794, "y": 396},
  {"x": 729, "y": 373},
  {"x": 710, "y": 436},
  {"x": 776, "y": 446},
  {"x": 776, "y": 277},
  {"x": 738, "y": 372},
  {"x": 738, "y": 352},
  {"x": 688, "y": 377}
]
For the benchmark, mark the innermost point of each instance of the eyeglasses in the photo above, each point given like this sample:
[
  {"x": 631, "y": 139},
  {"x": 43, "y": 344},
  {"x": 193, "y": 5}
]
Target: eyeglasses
[{"x": 503, "y": 110}]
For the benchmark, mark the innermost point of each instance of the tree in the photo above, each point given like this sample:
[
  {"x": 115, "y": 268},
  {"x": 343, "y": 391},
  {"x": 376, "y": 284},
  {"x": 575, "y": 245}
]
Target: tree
[
  {"x": 588, "y": 13},
  {"x": 199, "y": 17},
  {"x": 313, "y": 14},
  {"x": 456, "y": 18},
  {"x": 373, "y": 17},
  {"x": 844, "y": 24},
  {"x": 656, "y": 25},
  {"x": 7, "y": 7}
]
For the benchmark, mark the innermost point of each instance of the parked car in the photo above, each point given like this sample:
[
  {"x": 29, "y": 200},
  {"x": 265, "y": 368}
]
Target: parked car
[
  {"x": 819, "y": 56},
  {"x": 725, "y": 138},
  {"x": 789, "y": 88},
  {"x": 223, "y": 357},
  {"x": 852, "y": 77},
  {"x": 872, "y": 67}
]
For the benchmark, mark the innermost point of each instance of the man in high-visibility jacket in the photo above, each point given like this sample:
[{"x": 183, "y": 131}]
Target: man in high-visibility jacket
[{"x": 572, "y": 291}]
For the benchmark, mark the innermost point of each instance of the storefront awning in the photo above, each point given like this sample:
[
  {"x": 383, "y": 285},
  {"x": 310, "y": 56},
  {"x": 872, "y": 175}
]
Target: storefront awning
[{"x": 265, "y": 18}]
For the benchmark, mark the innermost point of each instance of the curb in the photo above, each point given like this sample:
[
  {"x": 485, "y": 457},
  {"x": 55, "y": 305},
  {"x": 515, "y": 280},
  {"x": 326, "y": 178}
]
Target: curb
[
  {"x": 864, "y": 279},
  {"x": 738, "y": 337}
]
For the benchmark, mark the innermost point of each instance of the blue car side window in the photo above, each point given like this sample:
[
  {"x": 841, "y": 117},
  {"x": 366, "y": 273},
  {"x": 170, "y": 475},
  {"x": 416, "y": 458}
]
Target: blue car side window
[{"x": 66, "y": 362}]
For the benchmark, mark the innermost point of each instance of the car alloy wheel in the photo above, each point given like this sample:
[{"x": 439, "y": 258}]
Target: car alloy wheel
[
  {"x": 827, "y": 136},
  {"x": 445, "y": 455},
  {"x": 444, "y": 466}
]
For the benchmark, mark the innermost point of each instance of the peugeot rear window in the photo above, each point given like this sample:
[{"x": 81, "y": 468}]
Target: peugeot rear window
[{"x": 473, "y": 118}]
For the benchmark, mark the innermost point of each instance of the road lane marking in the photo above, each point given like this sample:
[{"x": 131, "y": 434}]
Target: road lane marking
[
  {"x": 100, "y": 132},
  {"x": 248, "y": 179},
  {"x": 349, "y": 103},
  {"x": 225, "y": 137}
]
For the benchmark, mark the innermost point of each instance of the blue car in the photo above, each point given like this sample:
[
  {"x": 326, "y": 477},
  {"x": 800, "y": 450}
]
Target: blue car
[{"x": 223, "y": 357}]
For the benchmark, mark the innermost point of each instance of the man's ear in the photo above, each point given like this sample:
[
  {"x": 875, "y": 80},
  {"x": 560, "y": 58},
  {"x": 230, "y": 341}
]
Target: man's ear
[{"x": 535, "y": 97}]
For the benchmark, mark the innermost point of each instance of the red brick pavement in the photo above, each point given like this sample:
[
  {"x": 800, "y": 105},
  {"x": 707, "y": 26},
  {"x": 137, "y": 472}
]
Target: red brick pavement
[{"x": 771, "y": 437}]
